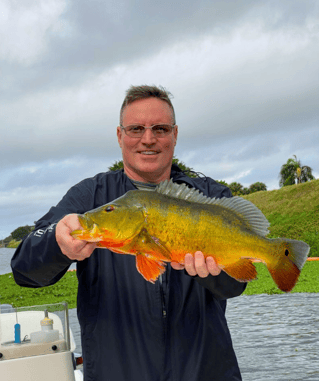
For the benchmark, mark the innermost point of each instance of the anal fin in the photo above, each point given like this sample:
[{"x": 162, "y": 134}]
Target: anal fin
[{"x": 243, "y": 270}]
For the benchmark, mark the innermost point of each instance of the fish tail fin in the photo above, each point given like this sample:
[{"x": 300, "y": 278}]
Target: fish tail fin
[{"x": 290, "y": 257}]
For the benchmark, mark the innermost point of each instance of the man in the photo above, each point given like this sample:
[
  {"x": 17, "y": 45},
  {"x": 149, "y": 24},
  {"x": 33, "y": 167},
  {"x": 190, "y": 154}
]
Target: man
[{"x": 133, "y": 330}]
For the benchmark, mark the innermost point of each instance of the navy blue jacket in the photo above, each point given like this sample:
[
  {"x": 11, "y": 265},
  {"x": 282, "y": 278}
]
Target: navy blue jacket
[{"x": 133, "y": 330}]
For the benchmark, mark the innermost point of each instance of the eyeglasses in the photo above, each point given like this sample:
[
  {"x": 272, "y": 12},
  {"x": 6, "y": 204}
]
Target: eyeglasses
[{"x": 137, "y": 131}]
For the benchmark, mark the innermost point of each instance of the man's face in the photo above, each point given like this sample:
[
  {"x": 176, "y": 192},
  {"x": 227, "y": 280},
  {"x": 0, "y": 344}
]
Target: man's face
[{"x": 148, "y": 158}]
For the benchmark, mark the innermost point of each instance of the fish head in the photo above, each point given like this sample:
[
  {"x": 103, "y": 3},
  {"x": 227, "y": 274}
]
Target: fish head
[{"x": 112, "y": 223}]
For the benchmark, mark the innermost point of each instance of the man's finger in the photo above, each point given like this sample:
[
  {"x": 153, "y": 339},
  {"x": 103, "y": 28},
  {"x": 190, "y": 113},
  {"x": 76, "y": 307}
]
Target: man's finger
[
  {"x": 71, "y": 247},
  {"x": 212, "y": 266},
  {"x": 177, "y": 266},
  {"x": 88, "y": 250},
  {"x": 190, "y": 265},
  {"x": 200, "y": 265}
]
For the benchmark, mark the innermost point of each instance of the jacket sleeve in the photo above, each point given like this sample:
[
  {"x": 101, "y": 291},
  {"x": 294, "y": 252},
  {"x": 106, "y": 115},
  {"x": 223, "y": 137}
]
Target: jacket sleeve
[
  {"x": 222, "y": 286},
  {"x": 38, "y": 260}
]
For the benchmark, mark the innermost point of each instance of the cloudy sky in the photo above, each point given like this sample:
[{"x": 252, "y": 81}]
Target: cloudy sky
[{"x": 244, "y": 76}]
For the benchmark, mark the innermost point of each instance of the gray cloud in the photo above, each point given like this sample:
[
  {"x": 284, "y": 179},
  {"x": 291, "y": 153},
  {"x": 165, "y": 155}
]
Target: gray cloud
[
  {"x": 244, "y": 76},
  {"x": 89, "y": 37}
]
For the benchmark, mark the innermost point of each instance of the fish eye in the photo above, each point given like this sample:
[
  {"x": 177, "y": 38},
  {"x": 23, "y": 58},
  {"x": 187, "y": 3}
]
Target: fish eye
[
  {"x": 286, "y": 253},
  {"x": 109, "y": 208}
]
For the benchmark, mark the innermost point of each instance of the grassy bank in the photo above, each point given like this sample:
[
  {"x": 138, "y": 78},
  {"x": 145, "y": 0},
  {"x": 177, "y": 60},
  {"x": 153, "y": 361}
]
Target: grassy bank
[
  {"x": 66, "y": 288},
  {"x": 307, "y": 282},
  {"x": 293, "y": 212},
  {"x": 13, "y": 244},
  {"x": 63, "y": 291}
]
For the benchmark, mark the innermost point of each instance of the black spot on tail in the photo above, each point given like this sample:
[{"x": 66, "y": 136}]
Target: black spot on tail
[{"x": 286, "y": 253}]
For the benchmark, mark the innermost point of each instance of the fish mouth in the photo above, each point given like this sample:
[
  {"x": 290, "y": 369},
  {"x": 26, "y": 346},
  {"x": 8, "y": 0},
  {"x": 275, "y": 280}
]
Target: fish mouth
[
  {"x": 85, "y": 222},
  {"x": 90, "y": 232},
  {"x": 88, "y": 225}
]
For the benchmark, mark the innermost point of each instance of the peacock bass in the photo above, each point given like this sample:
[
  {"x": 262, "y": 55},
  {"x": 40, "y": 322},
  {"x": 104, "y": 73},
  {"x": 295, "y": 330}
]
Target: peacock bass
[{"x": 164, "y": 225}]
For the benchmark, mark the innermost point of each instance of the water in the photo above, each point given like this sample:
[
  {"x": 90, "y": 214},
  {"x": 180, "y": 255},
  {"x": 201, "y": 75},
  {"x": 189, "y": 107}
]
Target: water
[
  {"x": 5, "y": 258},
  {"x": 276, "y": 337}
]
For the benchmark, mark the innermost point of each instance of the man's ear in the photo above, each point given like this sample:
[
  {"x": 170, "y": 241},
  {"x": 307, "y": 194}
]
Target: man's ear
[
  {"x": 119, "y": 135},
  {"x": 175, "y": 134}
]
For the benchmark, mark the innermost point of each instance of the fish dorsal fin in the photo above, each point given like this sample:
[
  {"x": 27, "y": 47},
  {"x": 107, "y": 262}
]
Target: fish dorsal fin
[{"x": 253, "y": 217}]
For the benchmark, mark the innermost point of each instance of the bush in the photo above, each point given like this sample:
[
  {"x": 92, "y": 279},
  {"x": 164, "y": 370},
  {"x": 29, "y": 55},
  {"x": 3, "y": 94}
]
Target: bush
[
  {"x": 222, "y": 182},
  {"x": 236, "y": 188},
  {"x": 257, "y": 187},
  {"x": 21, "y": 232},
  {"x": 13, "y": 244}
]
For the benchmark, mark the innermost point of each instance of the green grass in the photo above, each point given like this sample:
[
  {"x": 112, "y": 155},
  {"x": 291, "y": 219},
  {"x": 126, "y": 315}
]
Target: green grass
[
  {"x": 293, "y": 212},
  {"x": 66, "y": 289},
  {"x": 308, "y": 280},
  {"x": 13, "y": 244},
  {"x": 63, "y": 291}
]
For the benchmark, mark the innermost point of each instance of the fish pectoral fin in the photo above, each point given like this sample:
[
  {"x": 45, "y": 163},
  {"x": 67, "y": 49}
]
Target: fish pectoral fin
[
  {"x": 149, "y": 268},
  {"x": 145, "y": 243},
  {"x": 243, "y": 270}
]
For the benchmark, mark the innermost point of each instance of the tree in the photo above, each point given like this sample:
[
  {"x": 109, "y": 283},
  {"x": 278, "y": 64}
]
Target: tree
[
  {"x": 190, "y": 172},
  {"x": 236, "y": 188},
  {"x": 223, "y": 183},
  {"x": 21, "y": 232},
  {"x": 293, "y": 171},
  {"x": 256, "y": 187},
  {"x": 183, "y": 167},
  {"x": 117, "y": 165}
]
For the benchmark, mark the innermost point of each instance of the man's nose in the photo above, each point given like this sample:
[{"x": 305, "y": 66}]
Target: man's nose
[{"x": 148, "y": 137}]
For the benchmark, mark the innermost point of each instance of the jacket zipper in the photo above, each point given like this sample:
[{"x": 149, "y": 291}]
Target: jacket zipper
[{"x": 164, "y": 313}]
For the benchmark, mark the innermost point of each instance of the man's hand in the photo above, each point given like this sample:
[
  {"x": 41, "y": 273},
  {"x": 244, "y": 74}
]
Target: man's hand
[
  {"x": 198, "y": 266},
  {"x": 71, "y": 247}
]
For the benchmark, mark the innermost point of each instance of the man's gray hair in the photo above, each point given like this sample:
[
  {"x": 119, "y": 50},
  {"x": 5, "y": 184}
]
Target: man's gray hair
[{"x": 135, "y": 93}]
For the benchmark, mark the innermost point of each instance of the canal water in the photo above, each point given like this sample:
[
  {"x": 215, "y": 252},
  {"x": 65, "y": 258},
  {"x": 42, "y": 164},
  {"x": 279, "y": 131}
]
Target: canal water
[{"x": 276, "y": 337}]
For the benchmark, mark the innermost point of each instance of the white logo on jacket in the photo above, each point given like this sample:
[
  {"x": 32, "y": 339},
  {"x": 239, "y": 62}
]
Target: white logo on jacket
[{"x": 40, "y": 232}]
